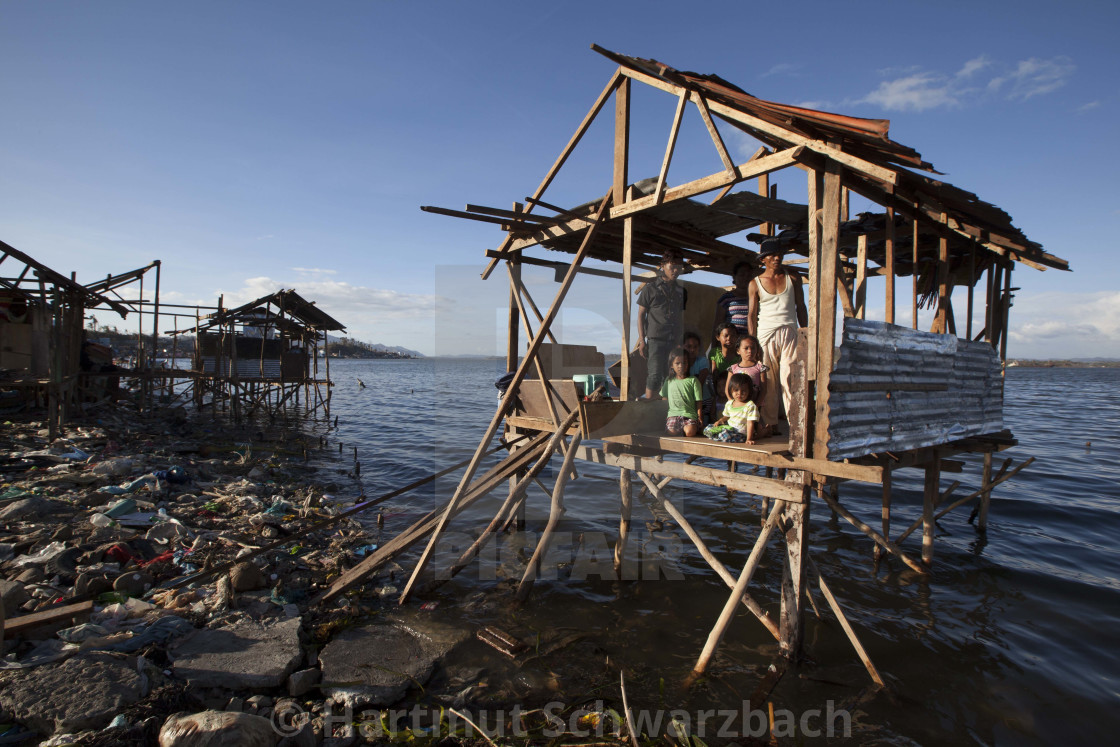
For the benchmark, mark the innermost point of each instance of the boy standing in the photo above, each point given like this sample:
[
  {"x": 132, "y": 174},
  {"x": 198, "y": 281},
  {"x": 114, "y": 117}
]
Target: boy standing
[{"x": 661, "y": 319}]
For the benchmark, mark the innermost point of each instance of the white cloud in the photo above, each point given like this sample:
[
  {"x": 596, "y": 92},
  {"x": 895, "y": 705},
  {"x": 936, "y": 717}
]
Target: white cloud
[
  {"x": 1066, "y": 325},
  {"x": 782, "y": 68},
  {"x": 1088, "y": 107},
  {"x": 314, "y": 271},
  {"x": 919, "y": 90},
  {"x": 1035, "y": 77},
  {"x": 916, "y": 92}
]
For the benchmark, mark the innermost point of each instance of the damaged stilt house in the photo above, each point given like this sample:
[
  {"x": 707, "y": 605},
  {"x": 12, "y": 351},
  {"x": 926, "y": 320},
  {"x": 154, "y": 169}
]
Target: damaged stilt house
[
  {"x": 263, "y": 356},
  {"x": 889, "y": 397},
  {"x": 41, "y": 333}
]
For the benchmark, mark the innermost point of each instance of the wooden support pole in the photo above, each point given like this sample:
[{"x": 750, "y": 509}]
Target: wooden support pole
[
  {"x": 626, "y": 491},
  {"x": 816, "y": 204},
  {"x": 886, "y": 509},
  {"x": 929, "y": 503},
  {"x": 794, "y": 590},
  {"x": 712, "y": 560},
  {"x": 621, "y": 140},
  {"x": 848, "y": 631},
  {"x": 512, "y": 353},
  {"x": 889, "y": 267},
  {"x": 732, "y": 603},
  {"x": 971, "y": 289},
  {"x": 659, "y": 190},
  {"x": 860, "y": 300},
  {"x": 1005, "y": 310},
  {"x": 941, "y": 323},
  {"x": 507, "y": 399},
  {"x": 826, "y": 305},
  {"x": 627, "y": 292},
  {"x": 887, "y": 545},
  {"x": 532, "y": 569},
  {"x": 986, "y": 495},
  {"x": 914, "y": 266}
]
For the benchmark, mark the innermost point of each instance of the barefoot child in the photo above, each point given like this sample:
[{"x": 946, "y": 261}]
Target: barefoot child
[
  {"x": 740, "y": 415},
  {"x": 684, "y": 394}
]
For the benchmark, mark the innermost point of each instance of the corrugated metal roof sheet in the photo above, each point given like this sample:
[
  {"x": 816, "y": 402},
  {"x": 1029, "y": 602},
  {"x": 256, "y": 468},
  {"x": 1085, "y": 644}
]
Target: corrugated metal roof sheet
[{"x": 895, "y": 389}]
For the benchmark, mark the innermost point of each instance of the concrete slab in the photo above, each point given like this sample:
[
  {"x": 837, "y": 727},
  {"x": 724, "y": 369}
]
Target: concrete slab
[{"x": 247, "y": 655}]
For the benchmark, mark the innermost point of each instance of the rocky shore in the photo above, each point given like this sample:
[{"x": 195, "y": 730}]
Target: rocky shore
[{"x": 142, "y": 605}]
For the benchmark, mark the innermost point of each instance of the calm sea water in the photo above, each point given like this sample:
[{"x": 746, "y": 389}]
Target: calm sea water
[{"x": 1014, "y": 639}]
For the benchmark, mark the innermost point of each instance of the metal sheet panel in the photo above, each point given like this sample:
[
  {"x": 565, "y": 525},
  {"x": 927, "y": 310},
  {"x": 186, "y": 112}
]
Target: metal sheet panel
[
  {"x": 911, "y": 389},
  {"x": 246, "y": 369}
]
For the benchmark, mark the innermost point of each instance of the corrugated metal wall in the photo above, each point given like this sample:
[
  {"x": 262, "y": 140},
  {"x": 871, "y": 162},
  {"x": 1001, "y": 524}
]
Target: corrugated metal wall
[
  {"x": 246, "y": 369},
  {"x": 895, "y": 389}
]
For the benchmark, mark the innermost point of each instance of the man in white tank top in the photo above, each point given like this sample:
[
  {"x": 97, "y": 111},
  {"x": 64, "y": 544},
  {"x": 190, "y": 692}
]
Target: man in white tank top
[{"x": 777, "y": 309}]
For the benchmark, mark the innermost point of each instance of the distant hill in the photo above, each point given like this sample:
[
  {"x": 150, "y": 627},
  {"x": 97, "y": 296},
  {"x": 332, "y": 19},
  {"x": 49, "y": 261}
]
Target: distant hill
[{"x": 396, "y": 350}]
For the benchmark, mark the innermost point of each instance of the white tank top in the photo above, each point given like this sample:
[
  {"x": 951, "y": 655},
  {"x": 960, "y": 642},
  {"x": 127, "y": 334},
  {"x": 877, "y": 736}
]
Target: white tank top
[{"x": 775, "y": 310}]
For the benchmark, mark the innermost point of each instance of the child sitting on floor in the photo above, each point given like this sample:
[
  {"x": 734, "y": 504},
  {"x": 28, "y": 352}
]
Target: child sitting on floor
[
  {"x": 750, "y": 363},
  {"x": 700, "y": 367},
  {"x": 740, "y": 414},
  {"x": 684, "y": 394}
]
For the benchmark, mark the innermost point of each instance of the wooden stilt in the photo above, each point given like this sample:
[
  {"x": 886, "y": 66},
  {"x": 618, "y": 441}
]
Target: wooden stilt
[
  {"x": 713, "y": 562},
  {"x": 886, "y": 509},
  {"x": 626, "y": 491},
  {"x": 732, "y": 603},
  {"x": 887, "y": 545},
  {"x": 929, "y": 498},
  {"x": 532, "y": 569},
  {"x": 848, "y": 631},
  {"x": 986, "y": 495}
]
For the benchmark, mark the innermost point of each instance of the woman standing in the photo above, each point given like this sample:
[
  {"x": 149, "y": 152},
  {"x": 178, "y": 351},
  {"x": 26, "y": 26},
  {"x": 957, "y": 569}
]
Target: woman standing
[{"x": 777, "y": 310}]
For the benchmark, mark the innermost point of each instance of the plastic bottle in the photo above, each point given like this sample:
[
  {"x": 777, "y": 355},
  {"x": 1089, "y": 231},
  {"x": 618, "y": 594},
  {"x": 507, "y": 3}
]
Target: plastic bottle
[{"x": 100, "y": 520}]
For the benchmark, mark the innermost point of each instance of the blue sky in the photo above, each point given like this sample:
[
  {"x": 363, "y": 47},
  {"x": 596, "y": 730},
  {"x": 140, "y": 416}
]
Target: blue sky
[{"x": 253, "y": 145}]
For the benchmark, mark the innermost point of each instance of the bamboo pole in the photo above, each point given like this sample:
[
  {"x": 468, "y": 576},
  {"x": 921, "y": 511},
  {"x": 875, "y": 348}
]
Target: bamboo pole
[
  {"x": 531, "y": 570},
  {"x": 886, "y": 509},
  {"x": 712, "y": 560},
  {"x": 732, "y": 603},
  {"x": 914, "y": 273},
  {"x": 503, "y": 406},
  {"x": 517, "y": 489},
  {"x": 843, "y": 620}
]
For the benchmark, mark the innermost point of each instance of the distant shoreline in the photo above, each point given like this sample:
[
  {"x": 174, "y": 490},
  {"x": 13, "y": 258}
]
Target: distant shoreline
[{"x": 1063, "y": 364}]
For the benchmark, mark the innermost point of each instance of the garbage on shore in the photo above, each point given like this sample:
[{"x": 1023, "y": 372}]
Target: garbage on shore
[{"x": 156, "y": 575}]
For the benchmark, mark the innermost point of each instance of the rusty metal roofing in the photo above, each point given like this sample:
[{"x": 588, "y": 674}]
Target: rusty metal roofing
[
  {"x": 288, "y": 304},
  {"x": 895, "y": 389}
]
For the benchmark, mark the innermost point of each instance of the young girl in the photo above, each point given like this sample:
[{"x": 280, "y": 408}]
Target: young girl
[
  {"x": 700, "y": 367},
  {"x": 684, "y": 394},
  {"x": 750, "y": 363},
  {"x": 740, "y": 415},
  {"x": 721, "y": 358}
]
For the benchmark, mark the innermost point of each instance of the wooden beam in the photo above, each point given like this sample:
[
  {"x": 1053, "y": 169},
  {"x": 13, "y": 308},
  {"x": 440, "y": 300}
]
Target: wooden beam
[
  {"x": 783, "y": 460},
  {"x": 880, "y": 539},
  {"x": 719, "y": 478},
  {"x": 621, "y": 140},
  {"x": 826, "y": 307},
  {"x": 929, "y": 503},
  {"x": 816, "y": 203},
  {"x": 888, "y": 267},
  {"x": 18, "y": 625},
  {"x": 943, "y": 281},
  {"x": 860, "y": 300},
  {"x": 614, "y": 82},
  {"x": 914, "y": 273},
  {"x": 732, "y": 114},
  {"x": 627, "y": 292},
  {"x": 724, "y": 156},
  {"x": 747, "y": 170},
  {"x": 674, "y": 131}
]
